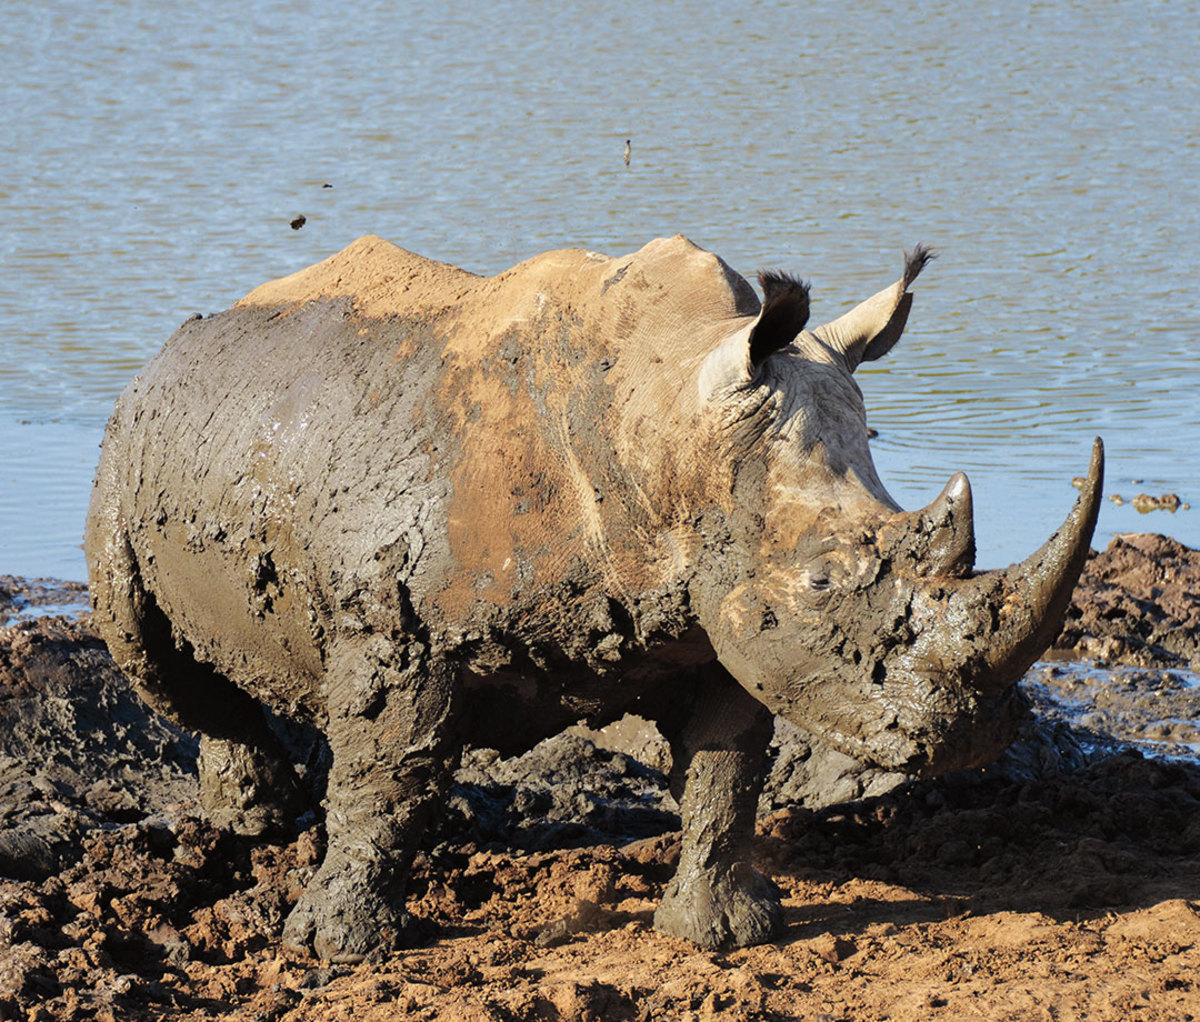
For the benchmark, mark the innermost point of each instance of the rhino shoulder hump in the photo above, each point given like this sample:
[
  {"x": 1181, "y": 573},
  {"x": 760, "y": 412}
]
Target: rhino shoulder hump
[{"x": 695, "y": 274}]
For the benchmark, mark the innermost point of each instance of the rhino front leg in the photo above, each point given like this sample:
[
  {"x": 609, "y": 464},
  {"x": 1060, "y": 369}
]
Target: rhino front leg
[
  {"x": 393, "y": 738},
  {"x": 717, "y": 899}
]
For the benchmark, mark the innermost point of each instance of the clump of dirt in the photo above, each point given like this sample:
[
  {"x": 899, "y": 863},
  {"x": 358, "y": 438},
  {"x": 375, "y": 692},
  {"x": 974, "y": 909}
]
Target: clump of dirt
[
  {"x": 1137, "y": 603},
  {"x": 1144, "y": 503},
  {"x": 1062, "y": 880}
]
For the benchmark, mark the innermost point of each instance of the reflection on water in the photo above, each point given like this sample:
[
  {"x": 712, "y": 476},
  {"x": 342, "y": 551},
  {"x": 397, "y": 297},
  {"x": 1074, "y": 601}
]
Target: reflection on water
[{"x": 154, "y": 155}]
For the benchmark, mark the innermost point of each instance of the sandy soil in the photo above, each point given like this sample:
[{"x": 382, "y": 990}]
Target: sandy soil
[{"x": 1061, "y": 883}]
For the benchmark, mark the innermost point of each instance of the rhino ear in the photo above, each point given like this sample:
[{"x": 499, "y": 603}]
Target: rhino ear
[
  {"x": 870, "y": 330},
  {"x": 783, "y": 315}
]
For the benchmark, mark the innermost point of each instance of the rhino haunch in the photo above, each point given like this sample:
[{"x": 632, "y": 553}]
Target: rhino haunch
[{"x": 415, "y": 507}]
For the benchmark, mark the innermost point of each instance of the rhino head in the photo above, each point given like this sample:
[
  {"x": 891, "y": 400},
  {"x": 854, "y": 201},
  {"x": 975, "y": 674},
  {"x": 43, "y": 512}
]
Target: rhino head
[{"x": 862, "y": 623}]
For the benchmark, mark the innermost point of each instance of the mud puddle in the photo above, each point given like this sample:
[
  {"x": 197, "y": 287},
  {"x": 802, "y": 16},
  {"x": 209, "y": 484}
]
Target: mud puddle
[
  {"x": 1154, "y": 711},
  {"x": 23, "y": 599}
]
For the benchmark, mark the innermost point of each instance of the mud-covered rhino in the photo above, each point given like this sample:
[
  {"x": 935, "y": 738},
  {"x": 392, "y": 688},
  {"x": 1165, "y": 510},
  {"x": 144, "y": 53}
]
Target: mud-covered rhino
[{"x": 416, "y": 507}]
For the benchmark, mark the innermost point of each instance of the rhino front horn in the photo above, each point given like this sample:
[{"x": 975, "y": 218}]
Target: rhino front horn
[
  {"x": 1042, "y": 584},
  {"x": 1036, "y": 593},
  {"x": 997, "y": 623}
]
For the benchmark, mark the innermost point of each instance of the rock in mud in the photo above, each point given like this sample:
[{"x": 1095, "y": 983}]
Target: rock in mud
[{"x": 1144, "y": 503}]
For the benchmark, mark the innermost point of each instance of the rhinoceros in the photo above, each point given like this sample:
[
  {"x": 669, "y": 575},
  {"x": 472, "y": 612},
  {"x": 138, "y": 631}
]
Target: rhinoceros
[{"x": 414, "y": 507}]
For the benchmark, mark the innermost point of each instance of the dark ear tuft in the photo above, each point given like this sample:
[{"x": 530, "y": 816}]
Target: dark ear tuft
[
  {"x": 784, "y": 313},
  {"x": 776, "y": 284},
  {"x": 914, "y": 261}
]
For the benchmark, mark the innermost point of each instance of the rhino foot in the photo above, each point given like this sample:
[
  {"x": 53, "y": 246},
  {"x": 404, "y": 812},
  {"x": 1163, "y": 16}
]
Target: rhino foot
[
  {"x": 248, "y": 791},
  {"x": 734, "y": 908},
  {"x": 342, "y": 916}
]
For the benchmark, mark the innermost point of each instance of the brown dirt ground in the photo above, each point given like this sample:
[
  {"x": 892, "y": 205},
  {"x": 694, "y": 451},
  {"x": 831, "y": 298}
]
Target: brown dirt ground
[{"x": 984, "y": 895}]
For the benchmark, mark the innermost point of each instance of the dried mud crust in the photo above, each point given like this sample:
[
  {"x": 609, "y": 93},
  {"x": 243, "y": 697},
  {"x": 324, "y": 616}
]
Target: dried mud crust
[{"x": 1059, "y": 882}]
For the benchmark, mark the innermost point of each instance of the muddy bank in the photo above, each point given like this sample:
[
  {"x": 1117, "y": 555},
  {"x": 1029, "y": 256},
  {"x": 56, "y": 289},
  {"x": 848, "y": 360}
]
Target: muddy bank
[
  {"x": 78, "y": 750},
  {"x": 1063, "y": 879},
  {"x": 1076, "y": 892},
  {"x": 1137, "y": 603}
]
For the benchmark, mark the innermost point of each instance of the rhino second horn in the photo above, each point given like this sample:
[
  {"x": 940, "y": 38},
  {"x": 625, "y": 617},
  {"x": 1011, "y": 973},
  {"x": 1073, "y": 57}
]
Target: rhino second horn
[
  {"x": 938, "y": 541},
  {"x": 950, "y": 519},
  {"x": 1011, "y": 616}
]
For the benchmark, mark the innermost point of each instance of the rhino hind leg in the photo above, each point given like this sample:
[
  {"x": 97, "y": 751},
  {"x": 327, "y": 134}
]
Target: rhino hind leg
[
  {"x": 716, "y": 898},
  {"x": 393, "y": 735},
  {"x": 247, "y": 783},
  {"x": 247, "y": 789}
]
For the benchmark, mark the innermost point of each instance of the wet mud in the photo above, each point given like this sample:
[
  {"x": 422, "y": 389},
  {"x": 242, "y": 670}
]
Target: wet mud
[
  {"x": 22, "y": 598},
  {"x": 1062, "y": 881}
]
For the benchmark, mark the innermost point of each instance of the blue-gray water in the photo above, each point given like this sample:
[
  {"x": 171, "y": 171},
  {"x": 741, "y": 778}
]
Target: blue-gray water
[{"x": 151, "y": 156}]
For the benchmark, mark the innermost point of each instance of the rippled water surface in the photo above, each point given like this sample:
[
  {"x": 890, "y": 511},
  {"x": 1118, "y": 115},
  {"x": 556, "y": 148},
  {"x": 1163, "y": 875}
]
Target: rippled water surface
[{"x": 153, "y": 155}]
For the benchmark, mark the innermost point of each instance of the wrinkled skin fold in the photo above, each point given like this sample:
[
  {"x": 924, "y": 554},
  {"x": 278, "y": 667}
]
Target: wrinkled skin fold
[{"x": 413, "y": 507}]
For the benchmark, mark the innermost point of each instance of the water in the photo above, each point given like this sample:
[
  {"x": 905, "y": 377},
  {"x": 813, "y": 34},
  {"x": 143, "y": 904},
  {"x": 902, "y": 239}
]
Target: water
[
  {"x": 153, "y": 155},
  {"x": 1154, "y": 711}
]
